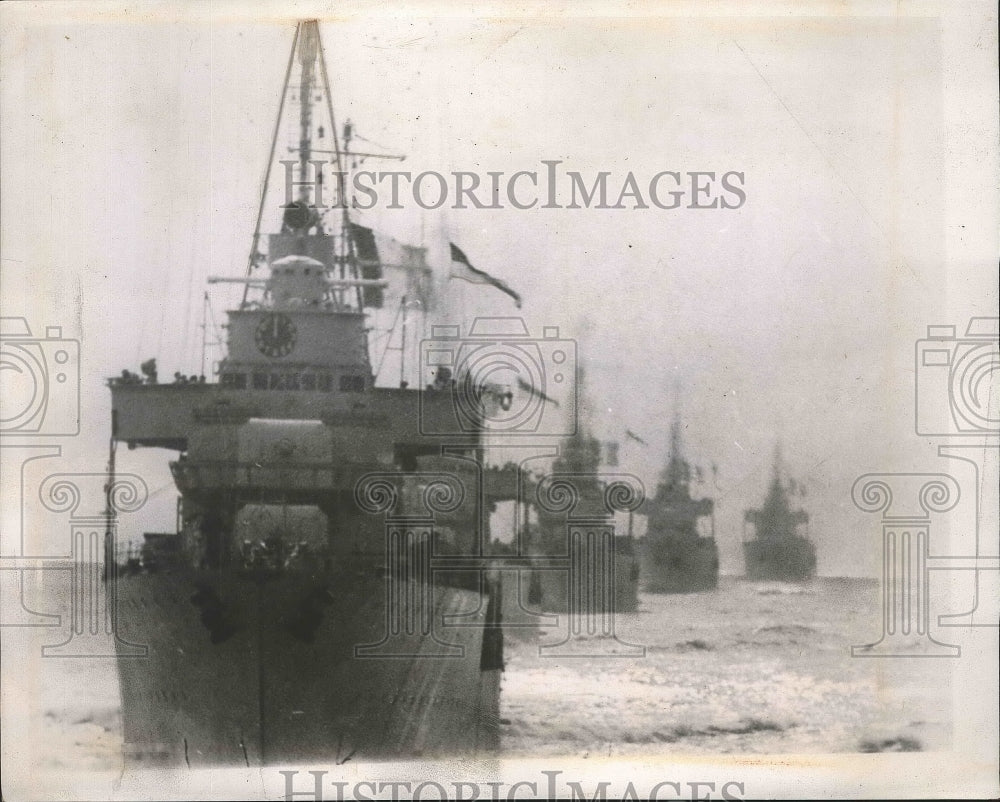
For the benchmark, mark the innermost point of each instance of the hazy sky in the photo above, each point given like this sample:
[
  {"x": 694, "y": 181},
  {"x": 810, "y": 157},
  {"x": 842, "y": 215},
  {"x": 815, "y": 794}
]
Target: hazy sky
[{"x": 134, "y": 148}]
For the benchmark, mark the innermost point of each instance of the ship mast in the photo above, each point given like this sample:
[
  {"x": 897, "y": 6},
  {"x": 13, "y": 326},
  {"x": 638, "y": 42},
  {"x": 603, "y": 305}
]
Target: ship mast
[
  {"x": 678, "y": 472},
  {"x": 349, "y": 258},
  {"x": 304, "y": 214},
  {"x": 307, "y": 58}
]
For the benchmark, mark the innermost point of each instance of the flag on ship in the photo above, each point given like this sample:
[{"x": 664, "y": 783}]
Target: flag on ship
[
  {"x": 528, "y": 388},
  {"x": 462, "y": 268},
  {"x": 378, "y": 252},
  {"x": 633, "y": 436},
  {"x": 366, "y": 251}
]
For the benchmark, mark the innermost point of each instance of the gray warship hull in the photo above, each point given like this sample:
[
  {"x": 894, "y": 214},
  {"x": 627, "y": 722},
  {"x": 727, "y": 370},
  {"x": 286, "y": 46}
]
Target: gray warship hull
[
  {"x": 679, "y": 565},
  {"x": 251, "y": 671},
  {"x": 789, "y": 559},
  {"x": 596, "y": 585}
]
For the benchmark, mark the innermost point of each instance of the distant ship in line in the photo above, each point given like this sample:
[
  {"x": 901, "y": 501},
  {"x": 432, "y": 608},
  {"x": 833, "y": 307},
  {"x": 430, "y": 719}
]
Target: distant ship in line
[
  {"x": 777, "y": 551},
  {"x": 677, "y": 557},
  {"x": 580, "y": 458},
  {"x": 613, "y": 586}
]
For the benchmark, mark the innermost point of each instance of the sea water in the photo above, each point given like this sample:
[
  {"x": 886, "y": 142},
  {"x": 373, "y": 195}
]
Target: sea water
[
  {"x": 751, "y": 667},
  {"x": 748, "y": 668}
]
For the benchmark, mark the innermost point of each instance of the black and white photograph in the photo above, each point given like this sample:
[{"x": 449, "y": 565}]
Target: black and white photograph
[{"x": 516, "y": 400}]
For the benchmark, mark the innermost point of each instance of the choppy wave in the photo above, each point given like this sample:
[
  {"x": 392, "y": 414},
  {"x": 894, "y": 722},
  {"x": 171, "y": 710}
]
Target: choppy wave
[{"x": 735, "y": 671}]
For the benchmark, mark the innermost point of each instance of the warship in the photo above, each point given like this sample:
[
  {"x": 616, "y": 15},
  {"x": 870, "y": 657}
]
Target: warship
[
  {"x": 776, "y": 551},
  {"x": 295, "y": 614},
  {"x": 579, "y": 466},
  {"x": 677, "y": 557}
]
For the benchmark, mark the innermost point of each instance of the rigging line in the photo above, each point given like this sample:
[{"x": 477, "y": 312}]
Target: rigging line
[
  {"x": 813, "y": 142},
  {"x": 204, "y": 331},
  {"x": 372, "y": 142},
  {"x": 329, "y": 104},
  {"x": 215, "y": 326},
  {"x": 166, "y": 274},
  {"x": 145, "y": 290},
  {"x": 270, "y": 159},
  {"x": 380, "y": 334},
  {"x": 139, "y": 340},
  {"x": 378, "y": 368},
  {"x": 347, "y": 247},
  {"x": 187, "y": 306},
  {"x": 386, "y": 350},
  {"x": 168, "y": 486},
  {"x": 333, "y": 127}
]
